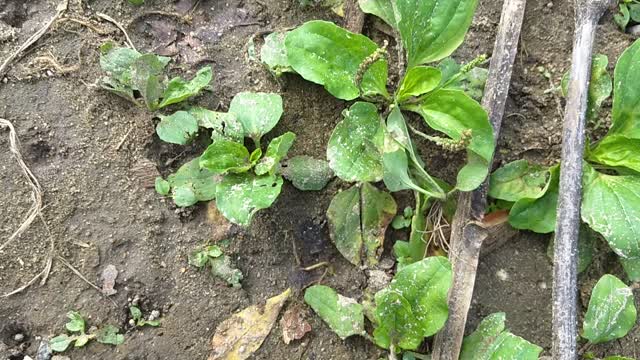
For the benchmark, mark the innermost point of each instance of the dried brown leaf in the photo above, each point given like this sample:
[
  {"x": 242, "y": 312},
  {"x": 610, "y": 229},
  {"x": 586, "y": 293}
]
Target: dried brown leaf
[{"x": 294, "y": 325}]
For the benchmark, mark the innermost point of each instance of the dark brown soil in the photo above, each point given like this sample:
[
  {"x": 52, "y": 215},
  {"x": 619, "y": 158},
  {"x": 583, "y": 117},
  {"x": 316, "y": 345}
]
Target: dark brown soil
[{"x": 94, "y": 154}]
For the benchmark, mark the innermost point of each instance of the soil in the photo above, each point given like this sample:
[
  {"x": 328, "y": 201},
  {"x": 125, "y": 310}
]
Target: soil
[{"x": 96, "y": 156}]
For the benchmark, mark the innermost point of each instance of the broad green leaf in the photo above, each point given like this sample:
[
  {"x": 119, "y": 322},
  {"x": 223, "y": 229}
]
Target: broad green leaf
[
  {"x": 538, "y": 214},
  {"x": 307, "y": 173},
  {"x": 329, "y": 55},
  {"x": 611, "y": 312},
  {"x": 517, "y": 180},
  {"x": 274, "y": 53},
  {"x": 60, "y": 343},
  {"x": 452, "y": 112},
  {"x": 117, "y": 62},
  {"x": 276, "y": 151},
  {"x": 240, "y": 196},
  {"x": 136, "y": 314},
  {"x": 222, "y": 268},
  {"x": 611, "y": 206},
  {"x": 432, "y": 29},
  {"x": 179, "y": 89},
  {"x": 417, "y": 81},
  {"x": 353, "y": 150},
  {"x": 358, "y": 219},
  {"x": 162, "y": 186},
  {"x": 343, "y": 315},
  {"x": 600, "y": 85},
  {"x": 147, "y": 76},
  {"x": 586, "y": 241},
  {"x": 224, "y": 156},
  {"x": 179, "y": 128},
  {"x": 257, "y": 112},
  {"x": 491, "y": 341},
  {"x": 191, "y": 184},
  {"x": 380, "y": 8},
  {"x": 626, "y": 106},
  {"x": 223, "y": 125},
  {"x": 617, "y": 151},
  {"x": 109, "y": 335},
  {"x": 631, "y": 268},
  {"x": 76, "y": 322},
  {"x": 414, "y": 305}
]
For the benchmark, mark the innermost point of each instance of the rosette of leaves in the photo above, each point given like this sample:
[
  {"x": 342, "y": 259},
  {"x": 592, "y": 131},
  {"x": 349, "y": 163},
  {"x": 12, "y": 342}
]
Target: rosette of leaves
[
  {"x": 141, "y": 78},
  {"x": 366, "y": 147},
  {"x": 242, "y": 182},
  {"x": 611, "y": 180},
  {"x": 108, "y": 334}
]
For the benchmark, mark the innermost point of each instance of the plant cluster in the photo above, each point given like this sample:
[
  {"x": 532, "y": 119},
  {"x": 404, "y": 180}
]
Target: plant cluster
[{"x": 108, "y": 334}]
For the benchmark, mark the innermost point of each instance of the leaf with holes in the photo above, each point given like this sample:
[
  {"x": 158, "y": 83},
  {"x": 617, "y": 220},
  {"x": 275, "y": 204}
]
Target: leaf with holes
[
  {"x": 223, "y": 125},
  {"x": 276, "y": 151},
  {"x": 240, "y": 196}
]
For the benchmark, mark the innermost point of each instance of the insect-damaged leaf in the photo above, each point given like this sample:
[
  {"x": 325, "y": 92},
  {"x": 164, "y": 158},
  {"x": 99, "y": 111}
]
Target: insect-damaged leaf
[
  {"x": 380, "y": 8},
  {"x": 274, "y": 53},
  {"x": 179, "y": 89},
  {"x": 432, "y": 29},
  {"x": 109, "y": 334},
  {"x": 179, "y": 128},
  {"x": 517, "y": 180},
  {"x": 343, "y": 315},
  {"x": 414, "y": 306},
  {"x": 353, "y": 149},
  {"x": 257, "y": 112},
  {"x": 453, "y": 113},
  {"x": 240, "y": 196},
  {"x": 611, "y": 206},
  {"x": 611, "y": 312},
  {"x": 224, "y": 156},
  {"x": 191, "y": 184},
  {"x": 599, "y": 86},
  {"x": 276, "y": 151},
  {"x": 147, "y": 76},
  {"x": 239, "y": 336},
  {"x": 329, "y": 55},
  {"x": 223, "y": 125},
  {"x": 538, "y": 214},
  {"x": 417, "y": 81},
  {"x": 491, "y": 341},
  {"x": 358, "y": 219},
  {"x": 307, "y": 173}
]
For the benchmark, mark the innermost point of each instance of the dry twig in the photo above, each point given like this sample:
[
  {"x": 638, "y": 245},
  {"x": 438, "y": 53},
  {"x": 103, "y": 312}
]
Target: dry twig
[{"x": 119, "y": 26}]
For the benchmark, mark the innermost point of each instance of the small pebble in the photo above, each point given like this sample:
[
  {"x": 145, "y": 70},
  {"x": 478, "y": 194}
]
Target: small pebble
[
  {"x": 18, "y": 337},
  {"x": 634, "y": 30},
  {"x": 502, "y": 275},
  {"x": 155, "y": 314}
]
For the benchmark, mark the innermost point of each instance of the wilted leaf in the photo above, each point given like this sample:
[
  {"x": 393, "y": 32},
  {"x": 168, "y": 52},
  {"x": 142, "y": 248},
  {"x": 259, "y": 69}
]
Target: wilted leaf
[
  {"x": 222, "y": 268},
  {"x": 353, "y": 149},
  {"x": 257, "y": 112},
  {"x": 307, "y": 173},
  {"x": 274, "y": 53},
  {"x": 239, "y": 336},
  {"x": 276, "y": 151},
  {"x": 611, "y": 312},
  {"x": 225, "y": 156},
  {"x": 329, "y": 55},
  {"x": 294, "y": 325},
  {"x": 179, "y": 90},
  {"x": 147, "y": 76},
  {"x": 240, "y": 196},
  {"x": 343, "y": 315},
  {"x": 223, "y": 125},
  {"x": 179, "y": 128},
  {"x": 517, "y": 180},
  {"x": 109, "y": 335}
]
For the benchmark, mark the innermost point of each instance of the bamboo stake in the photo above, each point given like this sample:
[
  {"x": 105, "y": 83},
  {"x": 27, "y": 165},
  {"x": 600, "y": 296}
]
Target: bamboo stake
[
  {"x": 565, "y": 274},
  {"x": 468, "y": 228}
]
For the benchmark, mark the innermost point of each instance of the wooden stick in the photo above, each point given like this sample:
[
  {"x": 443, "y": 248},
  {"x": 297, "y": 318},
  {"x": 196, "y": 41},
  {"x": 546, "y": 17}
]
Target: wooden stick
[
  {"x": 468, "y": 228},
  {"x": 565, "y": 274}
]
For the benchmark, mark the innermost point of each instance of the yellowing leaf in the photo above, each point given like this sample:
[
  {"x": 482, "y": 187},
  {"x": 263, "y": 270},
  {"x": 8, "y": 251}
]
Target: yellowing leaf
[{"x": 239, "y": 336}]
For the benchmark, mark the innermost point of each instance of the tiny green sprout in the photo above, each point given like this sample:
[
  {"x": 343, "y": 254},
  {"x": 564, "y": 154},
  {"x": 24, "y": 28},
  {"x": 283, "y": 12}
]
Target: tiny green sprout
[
  {"x": 76, "y": 325},
  {"x": 139, "y": 321},
  {"x": 402, "y": 221},
  {"x": 219, "y": 262}
]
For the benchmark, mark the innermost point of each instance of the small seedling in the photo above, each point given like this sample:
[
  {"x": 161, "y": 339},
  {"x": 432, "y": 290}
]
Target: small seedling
[
  {"x": 220, "y": 264},
  {"x": 108, "y": 334},
  {"x": 139, "y": 321},
  {"x": 403, "y": 220}
]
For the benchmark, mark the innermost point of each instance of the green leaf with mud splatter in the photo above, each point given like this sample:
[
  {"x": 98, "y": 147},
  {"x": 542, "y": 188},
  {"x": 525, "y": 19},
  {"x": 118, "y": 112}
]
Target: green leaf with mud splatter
[
  {"x": 491, "y": 341},
  {"x": 417, "y": 81},
  {"x": 538, "y": 214},
  {"x": 60, "y": 343},
  {"x": 380, "y": 8},
  {"x": 257, "y": 112},
  {"x": 191, "y": 184},
  {"x": 223, "y": 125},
  {"x": 344, "y": 315},
  {"x": 274, "y": 53},
  {"x": 611, "y": 206},
  {"x": 454, "y": 113},
  {"x": 76, "y": 322},
  {"x": 326, "y": 54},
  {"x": 179, "y": 89},
  {"x": 147, "y": 76},
  {"x": 240, "y": 196},
  {"x": 221, "y": 267},
  {"x": 178, "y": 128},
  {"x": 225, "y": 156},
  {"x": 276, "y": 151},
  {"x": 517, "y": 180},
  {"x": 600, "y": 86},
  {"x": 109, "y": 334},
  {"x": 307, "y": 173},
  {"x": 414, "y": 305},
  {"x": 358, "y": 218},
  {"x": 353, "y": 149},
  {"x": 432, "y": 29},
  {"x": 611, "y": 312}
]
